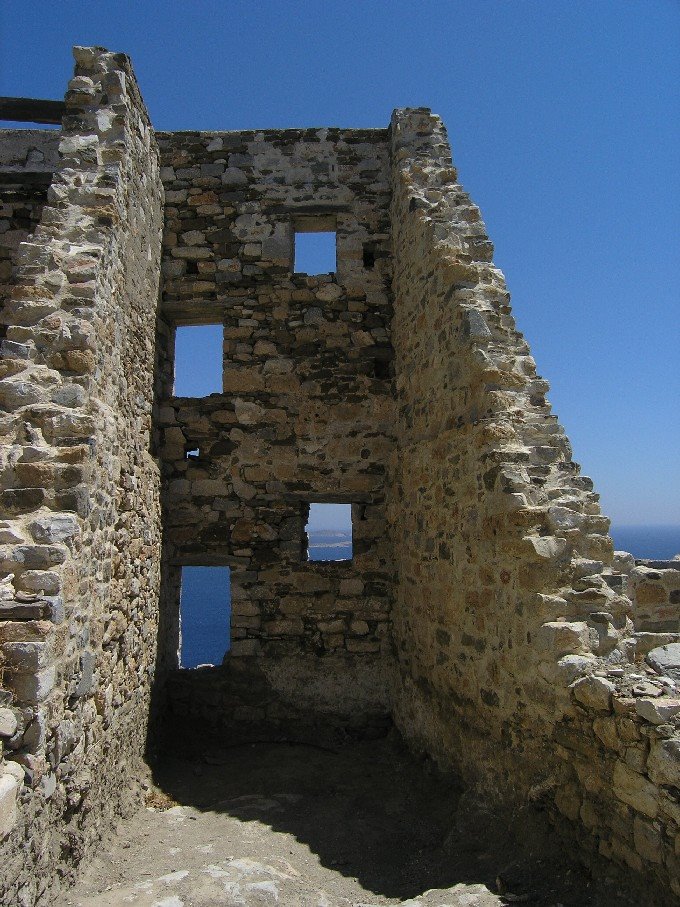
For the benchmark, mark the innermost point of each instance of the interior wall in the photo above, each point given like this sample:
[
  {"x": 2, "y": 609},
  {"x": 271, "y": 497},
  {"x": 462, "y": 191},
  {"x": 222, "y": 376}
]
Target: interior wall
[
  {"x": 306, "y": 414},
  {"x": 28, "y": 157}
]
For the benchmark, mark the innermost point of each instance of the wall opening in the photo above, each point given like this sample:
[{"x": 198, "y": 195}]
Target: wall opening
[
  {"x": 198, "y": 360},
  {"x": 315, "y": 247},
  {"x": 328, "y": 532},
  {"x": 381, "y": 368},
  {"x": 204, "y": 616}
]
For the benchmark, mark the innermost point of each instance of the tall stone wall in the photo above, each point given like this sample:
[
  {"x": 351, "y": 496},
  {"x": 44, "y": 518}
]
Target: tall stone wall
[
  {"x": 516, "y": 653},
  {"x": 306, "y": 415},
  {"x": 80, "y": 528}
]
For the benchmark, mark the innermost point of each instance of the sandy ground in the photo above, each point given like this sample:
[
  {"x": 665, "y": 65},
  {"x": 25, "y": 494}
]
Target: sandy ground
[{"x": 300, "y": 826}]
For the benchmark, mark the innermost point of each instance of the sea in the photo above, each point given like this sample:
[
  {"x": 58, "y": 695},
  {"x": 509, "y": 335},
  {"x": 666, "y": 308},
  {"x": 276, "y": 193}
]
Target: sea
[
  {"x": 206, "y": 599},
  {"x": 659, "y": 543}
]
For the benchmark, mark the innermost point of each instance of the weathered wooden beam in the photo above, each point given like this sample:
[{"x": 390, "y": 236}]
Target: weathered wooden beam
[{"x": 31, "y": 110}]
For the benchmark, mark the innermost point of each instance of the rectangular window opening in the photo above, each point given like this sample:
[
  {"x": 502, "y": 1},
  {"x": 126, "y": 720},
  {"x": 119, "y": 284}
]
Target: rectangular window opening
[
  {"x": 329, "y": 532},
  {"x": 315, "y": 252},
  {"x": 198, "y": 360},
  {"x": 204, "y": 616}
]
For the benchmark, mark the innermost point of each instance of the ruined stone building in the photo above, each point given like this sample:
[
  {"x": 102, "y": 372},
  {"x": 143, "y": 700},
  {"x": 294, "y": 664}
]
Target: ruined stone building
[{"x": 483, "y": 613}]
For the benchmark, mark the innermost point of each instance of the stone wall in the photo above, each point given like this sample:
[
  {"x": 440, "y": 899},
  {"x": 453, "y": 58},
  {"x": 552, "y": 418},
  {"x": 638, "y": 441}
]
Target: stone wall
[
  {"x": 27, "y": 159},
  {"x": 516, "y": 655},
  {"x": 80, "y": 528},
  {"x": 306, "y": 415},
  {"x": 654, "y": 589},
  {"x": 484, "y": 609}
]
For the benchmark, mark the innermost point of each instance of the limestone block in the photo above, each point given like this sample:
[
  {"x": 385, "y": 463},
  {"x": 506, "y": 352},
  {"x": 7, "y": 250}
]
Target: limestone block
[
  {"x": 658, "y": 711},
  {"x": 606, "y": 730},
  {"x": 8, "y": 723},
  {"x": 232, "y": 176},
  {"x": 363, "y": 646},
  {"x": 39, "y": 582},
  {"x": 563, "y": 638},
  {"x": 560, "y": 518},
  {"x": 594, "y": 692},
  {"x": 34, "y": 688},
  {"x": 56, "y": 527},
  {"x": 244, "y": 648},
  {"x": 286, "y": 627},
  {"x": 39, "y": 557},
  {"x": 663, "y": 764},
  {"x": 192, "y": 253},
  {"x": 548, "y": 548},
  {"x": 647, "y": 837},
  {"x": 623, "y": 562},
  {"x": 26, "y": 657},
  {"x": 635, "y": 790},
  {"x": 665, "y": 660},
  {"x": 568, "y": 801},
  {"x": 9, "y": 791},
  {"x": 10, "y": 533}
]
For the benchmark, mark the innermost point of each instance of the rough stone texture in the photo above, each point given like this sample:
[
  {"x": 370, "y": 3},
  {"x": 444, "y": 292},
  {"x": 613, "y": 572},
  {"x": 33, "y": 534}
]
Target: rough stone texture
[
  {"x": 307, "y": 415},
  {"x": 484, "y": 610},
  {"x": 80, "y": 494},
  {"x": 502, "y": 605},
  {"x": 27, "y": 159},
  {"x": 655, "y": 592}
]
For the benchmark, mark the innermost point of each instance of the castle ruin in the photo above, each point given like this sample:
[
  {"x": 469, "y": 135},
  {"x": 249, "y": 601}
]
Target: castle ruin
[{"x": 483, "y": 613}]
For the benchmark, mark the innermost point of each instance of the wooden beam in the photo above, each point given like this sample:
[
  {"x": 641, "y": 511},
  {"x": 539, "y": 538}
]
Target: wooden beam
[{"x": 31, "y": 110}]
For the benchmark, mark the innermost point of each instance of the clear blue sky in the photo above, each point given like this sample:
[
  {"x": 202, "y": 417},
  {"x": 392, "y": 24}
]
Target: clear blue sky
[{"x": 564, "y": 118}]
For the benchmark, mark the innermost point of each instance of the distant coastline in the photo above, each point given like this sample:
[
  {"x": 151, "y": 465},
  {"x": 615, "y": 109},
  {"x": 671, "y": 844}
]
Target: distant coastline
[{"x": 652, "y": 541}]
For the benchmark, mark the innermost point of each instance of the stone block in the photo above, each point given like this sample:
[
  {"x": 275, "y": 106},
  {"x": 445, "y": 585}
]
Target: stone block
[
  {"x": 647, "y": 837},
  {"x": 244, "y": 648},
  {"x": 663, "y": 764},
  {"x": 34, "y": 688},
  {"x": 9, "y": 791},
  {"x": 56, "y": 527},
  {"x": 658, "y": 711},
  {"x": 636, "y": 790},
  {"x": 564, "y": 638},
  {"x": 8, "y": 722},
  {"x": 594, "y": 692},
  {"x": 26, "y": 657},
  {"x": 85, "y": 682},
  {"x": 665, "y": 660}
]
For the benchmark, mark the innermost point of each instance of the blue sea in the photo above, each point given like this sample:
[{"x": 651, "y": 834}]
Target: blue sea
[
  {"x": 660, "y": 543},
  {"x": 206, "y": 599}
]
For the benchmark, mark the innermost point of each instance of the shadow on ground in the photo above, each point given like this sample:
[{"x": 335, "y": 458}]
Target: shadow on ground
[{"x": 374, "y": 815}]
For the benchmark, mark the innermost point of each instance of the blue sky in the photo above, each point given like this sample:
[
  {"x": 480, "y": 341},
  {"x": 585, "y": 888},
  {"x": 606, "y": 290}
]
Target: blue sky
[{"x": 564, "y": 117}]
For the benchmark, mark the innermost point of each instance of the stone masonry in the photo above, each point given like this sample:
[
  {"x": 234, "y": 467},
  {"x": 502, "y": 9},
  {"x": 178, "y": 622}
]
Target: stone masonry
[
  {"x": 484, "y": 611},
  {"x": 306, "y": 415}
]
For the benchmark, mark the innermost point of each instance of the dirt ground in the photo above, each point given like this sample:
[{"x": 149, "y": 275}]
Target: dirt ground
[{"x": 301, "y": 826}]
